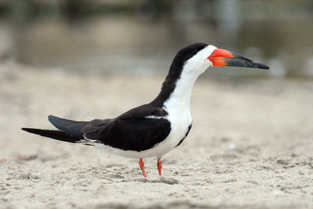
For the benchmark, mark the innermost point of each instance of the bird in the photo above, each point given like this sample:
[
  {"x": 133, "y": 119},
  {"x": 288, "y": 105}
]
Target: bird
[{"x": 155, "y": 128}]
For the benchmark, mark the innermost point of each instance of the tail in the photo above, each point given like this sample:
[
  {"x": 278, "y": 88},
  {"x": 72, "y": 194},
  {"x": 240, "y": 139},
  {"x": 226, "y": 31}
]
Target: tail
[
  {"x": 54, "y": 134},
  {"x": 69, "y": 131}
]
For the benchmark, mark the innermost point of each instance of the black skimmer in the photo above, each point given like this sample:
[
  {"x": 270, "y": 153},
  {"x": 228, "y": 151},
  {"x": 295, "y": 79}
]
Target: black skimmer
[{"x": 153, "y": 129}]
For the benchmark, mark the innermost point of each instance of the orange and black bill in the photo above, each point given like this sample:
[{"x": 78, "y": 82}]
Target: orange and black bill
[{"x": 222, "y": 57}]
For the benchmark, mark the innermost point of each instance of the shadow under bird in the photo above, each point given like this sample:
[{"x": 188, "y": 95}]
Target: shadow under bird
[{"x": 155, "y": 128}]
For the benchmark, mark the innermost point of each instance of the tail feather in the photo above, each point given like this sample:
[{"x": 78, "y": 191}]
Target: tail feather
[
  {"x": 70, "y": 127},
  {"x": 54, "y": 134}
]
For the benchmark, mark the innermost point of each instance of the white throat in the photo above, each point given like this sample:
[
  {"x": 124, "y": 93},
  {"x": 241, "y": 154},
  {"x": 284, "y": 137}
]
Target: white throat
[{"x": 179, "y": 100}]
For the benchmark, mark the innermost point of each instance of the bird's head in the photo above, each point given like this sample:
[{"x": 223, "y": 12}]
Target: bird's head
[{"x": 198, "y": 57}]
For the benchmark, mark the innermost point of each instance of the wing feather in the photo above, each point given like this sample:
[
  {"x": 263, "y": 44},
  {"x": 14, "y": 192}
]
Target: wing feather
[{"x": 132, "y": 130}]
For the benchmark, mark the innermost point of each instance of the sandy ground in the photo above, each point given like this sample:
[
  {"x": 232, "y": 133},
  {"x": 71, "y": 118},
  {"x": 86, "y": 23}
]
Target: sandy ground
[{"x": 250, "y": 146}]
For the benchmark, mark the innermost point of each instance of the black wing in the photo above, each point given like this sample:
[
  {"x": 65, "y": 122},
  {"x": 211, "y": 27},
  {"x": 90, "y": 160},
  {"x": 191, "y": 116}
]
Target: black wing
[
  {"x": 70, "y": 127},
  {"x": 69, "y": 131},
  {"x": 133, "y": 130},
  {"x": 54, "y": 134}
]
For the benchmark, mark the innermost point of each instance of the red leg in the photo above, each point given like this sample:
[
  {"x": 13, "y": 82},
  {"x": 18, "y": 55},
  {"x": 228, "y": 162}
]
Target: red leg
[
  {"x": 159, "y": 164},
  {"x": 142, "y": 166}
]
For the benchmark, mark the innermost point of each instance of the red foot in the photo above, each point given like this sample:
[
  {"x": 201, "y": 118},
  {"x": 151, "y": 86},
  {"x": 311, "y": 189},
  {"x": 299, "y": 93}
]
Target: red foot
[
  {"x": 142, "y": 166},
  {"x": 159, "y": 164}
]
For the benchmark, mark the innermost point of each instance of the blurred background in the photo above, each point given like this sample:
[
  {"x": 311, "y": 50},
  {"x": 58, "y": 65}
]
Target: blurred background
[
  {"x": 143, "y": 36},
  {"x": 251, "y": 142}
]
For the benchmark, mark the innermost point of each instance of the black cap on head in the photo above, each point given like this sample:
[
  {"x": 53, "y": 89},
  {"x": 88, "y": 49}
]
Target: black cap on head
[{"x": 186, "y": 53}]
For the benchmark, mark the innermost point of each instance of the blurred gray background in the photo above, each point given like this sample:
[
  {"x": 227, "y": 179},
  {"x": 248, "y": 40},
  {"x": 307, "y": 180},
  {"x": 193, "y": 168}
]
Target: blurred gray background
[
  {"x": 143, "y": 36},
  {"x": 251, "y": 143}
]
